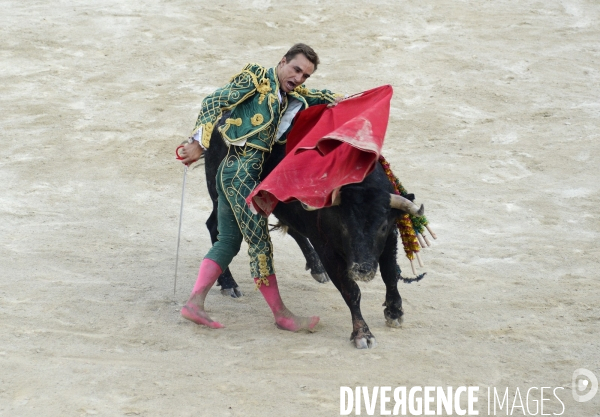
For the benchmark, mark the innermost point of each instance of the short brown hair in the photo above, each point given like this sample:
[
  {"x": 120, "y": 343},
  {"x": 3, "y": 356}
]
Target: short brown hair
[{"x": 307, "y": 51}]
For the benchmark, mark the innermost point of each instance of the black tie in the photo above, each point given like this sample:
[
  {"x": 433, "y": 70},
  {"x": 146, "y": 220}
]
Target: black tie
[{"x": 283, "y": 100}]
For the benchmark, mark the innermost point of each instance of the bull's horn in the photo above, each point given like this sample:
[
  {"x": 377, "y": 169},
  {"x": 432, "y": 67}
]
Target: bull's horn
[
  {"x": 404, "y": 204},
  {"x": 336, "y": 202}
]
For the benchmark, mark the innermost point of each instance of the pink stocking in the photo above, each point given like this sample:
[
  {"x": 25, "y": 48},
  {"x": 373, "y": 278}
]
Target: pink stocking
[
  {"x": 193, "y": 310},
  {"x": 284, "y": 318}
]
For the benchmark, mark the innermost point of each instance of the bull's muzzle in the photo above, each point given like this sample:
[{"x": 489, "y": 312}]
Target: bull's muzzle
[{"x": 362, "y": 271}]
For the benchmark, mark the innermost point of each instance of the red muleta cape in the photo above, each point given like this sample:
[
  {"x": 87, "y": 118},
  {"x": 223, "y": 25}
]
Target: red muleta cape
[{"x": 327, "y": 148}]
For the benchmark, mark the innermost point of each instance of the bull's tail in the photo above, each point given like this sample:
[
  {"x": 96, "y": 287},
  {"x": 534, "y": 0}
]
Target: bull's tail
[
  {"x": 411, "y": 280},
  {"x": 279, "y": 227}
]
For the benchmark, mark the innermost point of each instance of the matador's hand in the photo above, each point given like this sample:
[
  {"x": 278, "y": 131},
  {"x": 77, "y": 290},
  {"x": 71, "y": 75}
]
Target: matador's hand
[
  {"x": 191, "y": 152},
  {"x": 336, "y": 102}
]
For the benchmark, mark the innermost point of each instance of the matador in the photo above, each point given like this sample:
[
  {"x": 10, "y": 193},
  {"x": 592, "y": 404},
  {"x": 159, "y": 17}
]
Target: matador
[{"x": 262, "y": 104}]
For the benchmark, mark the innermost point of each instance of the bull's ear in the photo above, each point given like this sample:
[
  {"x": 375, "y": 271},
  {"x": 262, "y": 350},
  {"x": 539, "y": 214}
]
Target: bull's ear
[{"x": 410, "y": 197}]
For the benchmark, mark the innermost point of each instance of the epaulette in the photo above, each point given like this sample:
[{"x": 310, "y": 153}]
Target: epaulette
[{"x": 256, "y": 69}]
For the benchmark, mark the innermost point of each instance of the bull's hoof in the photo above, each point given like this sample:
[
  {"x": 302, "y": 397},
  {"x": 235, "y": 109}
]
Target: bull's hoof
[
  {"x": 229, "y": 287},
  {"x": 317, "y": 270},
  {"x": 321, "y": 278},
  {"x": 365, "y": 342},
  {"x": 394, "y": 315},
  {"x": 395, "y": 323},
  {"x": 232, "y": 292},
  {"x": 362, "y": 336}
]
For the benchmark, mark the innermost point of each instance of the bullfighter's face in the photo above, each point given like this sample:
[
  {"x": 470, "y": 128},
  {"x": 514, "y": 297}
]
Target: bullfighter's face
[{"x": 294, "y": 73}]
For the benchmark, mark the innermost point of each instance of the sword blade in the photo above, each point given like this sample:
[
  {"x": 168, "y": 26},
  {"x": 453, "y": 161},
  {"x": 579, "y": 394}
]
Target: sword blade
[{"x": 179, "y": 232}]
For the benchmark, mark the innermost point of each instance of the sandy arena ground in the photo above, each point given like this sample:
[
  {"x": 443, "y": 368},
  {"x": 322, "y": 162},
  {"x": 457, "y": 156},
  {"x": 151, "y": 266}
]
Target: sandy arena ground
[{"x": 494, "y": 125}]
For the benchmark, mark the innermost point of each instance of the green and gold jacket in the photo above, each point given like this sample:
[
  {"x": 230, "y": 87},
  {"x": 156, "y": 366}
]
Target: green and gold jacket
[{"x": 255, "y": 107}]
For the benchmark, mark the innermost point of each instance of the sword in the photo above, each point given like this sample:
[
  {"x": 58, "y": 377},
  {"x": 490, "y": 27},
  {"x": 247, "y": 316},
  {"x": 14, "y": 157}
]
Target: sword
[{"x": 179, "y": 157}]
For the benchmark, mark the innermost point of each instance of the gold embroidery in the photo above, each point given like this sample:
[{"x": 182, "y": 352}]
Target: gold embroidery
[
  {"x": 264, "y": 272},
  {"x": 263, "y": 88},
  {"x": 237, "y": 122},
  {"x": 304, "y": 93},
  {"x": 206, "y": 133},
  {"x": 241, "y": 87},
  {"x": 262, "y": 266},
  {"x": 301, "y": 90},
  {"x": 260, "y": 281},
  {"x": 257, "y": 119},
  {"x": 266, "y": 127}
]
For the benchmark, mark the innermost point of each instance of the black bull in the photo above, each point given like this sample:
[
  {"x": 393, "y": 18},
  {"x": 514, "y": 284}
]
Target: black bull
[{"x": 350, "y": 239}]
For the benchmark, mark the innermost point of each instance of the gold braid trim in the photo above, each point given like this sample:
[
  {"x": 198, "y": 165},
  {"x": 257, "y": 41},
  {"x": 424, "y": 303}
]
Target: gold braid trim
[
  {"x": 264, "y": 87},
  {"x": 302, "y": 90},
  {"x": 206, "y": 133},
  {"x": 262, "y": 266},
  {"x": 237, "y": 122},
  {"x": 240, "y": 87},
  {"x": 257, "y": 119},
  {"x": 262, "y": 281},
  {"x": 321, "y": 95}
]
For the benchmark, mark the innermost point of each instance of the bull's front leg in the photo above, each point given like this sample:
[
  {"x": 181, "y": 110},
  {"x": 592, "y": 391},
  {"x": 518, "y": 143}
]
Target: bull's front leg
[
  {"x": 337, "y": 269},
  {"x": 390, "y": 272},
  {"x": 312, "y": 259}
]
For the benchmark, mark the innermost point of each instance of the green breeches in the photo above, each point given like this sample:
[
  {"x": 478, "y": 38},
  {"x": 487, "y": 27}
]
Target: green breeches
[{"x": 237, "y": 177}]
